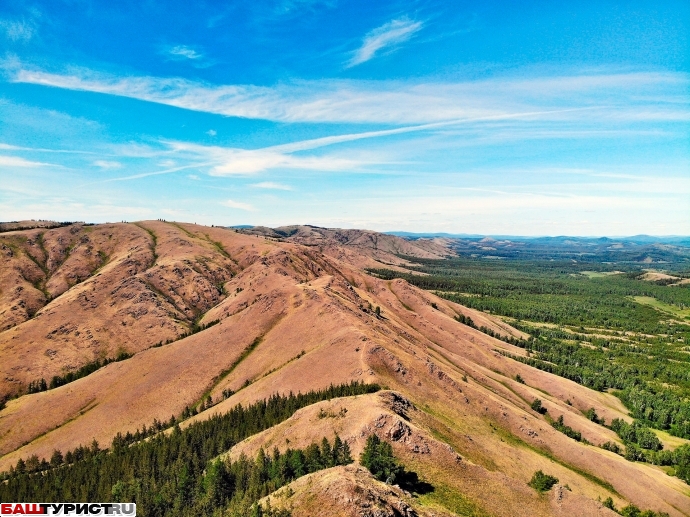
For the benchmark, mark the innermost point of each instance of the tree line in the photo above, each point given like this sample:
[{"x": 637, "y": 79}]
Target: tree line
[{"x": 87, "y": 369}]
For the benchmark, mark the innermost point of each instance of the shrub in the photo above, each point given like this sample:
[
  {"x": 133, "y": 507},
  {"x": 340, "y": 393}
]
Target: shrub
[
  {"x": 466, "y": 320},
  {"x": 608, "y": 503},
  {"x": 611, "y": 446},
  {"x": 591, "y": 414},
  {"x": 559, "y": 425},
  {"x": 536, "y": 406},
  {"x": 542, "y": 482},
  {"x": 631, "y": 511}
]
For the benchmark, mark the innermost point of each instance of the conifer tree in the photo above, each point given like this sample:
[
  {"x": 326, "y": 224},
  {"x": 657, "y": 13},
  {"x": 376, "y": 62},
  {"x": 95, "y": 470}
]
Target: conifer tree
[
  {"x": 56, "y": 459},
  {"x": 377, "y": 456}
]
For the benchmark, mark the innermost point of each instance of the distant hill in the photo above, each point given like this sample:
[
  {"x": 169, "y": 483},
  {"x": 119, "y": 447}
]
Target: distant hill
[
  {"x": 678, "y": 240},
  {"x": 376, "y": 248},
  {"x": 12, "y": 226},
  {"x": 638, "y": 249}
]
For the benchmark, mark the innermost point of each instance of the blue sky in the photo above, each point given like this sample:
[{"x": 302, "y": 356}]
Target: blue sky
[{"x": 529, "y": 118}]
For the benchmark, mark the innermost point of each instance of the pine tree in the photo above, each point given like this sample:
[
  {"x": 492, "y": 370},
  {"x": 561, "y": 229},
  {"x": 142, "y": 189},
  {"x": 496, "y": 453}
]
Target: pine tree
[
  {"x": 377, "y": 456},
  {"x": 327, "y": 458},
  {"x": 56, "y": 459},
  {"x": 312, "y": 456},
  {"x": 341, "y": 452}
]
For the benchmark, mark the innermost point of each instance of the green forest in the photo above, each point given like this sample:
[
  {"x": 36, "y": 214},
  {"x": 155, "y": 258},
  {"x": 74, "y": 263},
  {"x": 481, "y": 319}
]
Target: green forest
[{"x": 586, "y": 324}]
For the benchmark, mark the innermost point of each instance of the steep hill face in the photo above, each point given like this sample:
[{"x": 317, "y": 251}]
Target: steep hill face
[
  {"x": 77, "y": 294},
  {"x": 288, "y": 317}
]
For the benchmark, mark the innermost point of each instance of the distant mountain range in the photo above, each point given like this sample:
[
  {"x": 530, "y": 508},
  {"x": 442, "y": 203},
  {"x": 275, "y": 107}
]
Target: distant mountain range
[
  {"x": 634, "y": 251},
  {"x": 678, "y": 240}
]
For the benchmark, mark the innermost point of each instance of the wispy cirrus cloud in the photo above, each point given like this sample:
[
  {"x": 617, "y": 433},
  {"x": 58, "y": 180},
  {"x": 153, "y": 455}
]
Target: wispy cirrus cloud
[
  {"x": 627, "y": 96},
  {"x": 20, "y": 30},
  {"x": 270, "y": 185},
  {"x": 386, "y": 37},
  {"x": 107, "y": 164},
  {"x": 16, "y": 161},
  {"x": 230, "y": 203},
  {"x": 226, "y": 161},
  {"x": 9, "y": 147},
  {"x": 186, "y": 53}
]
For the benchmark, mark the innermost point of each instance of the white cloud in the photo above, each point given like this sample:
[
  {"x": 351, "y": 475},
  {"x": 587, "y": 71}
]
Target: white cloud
[
  {"x": 655, "y": 205},
  {"x": 226, "y": 161},
  {"x": 18, "y": 30},
  {"x": 388, "y": 35},
  {"x": 194, "y": 177},
  {"x": 271, "y": 185},
  {"x": 240, "y": 161},
  {"x": 211, "y": 132},
  {"x": 157, "y": 173},
  {"x": 8, "y": 147},
  {"x": 239, "y": 206},
  {"x": 105, "y": 164},
  {"x": 16, "y": 161},
  {"x": 621, "y": 96},
  {"x": 183, "y": 52},
  {"x": 187, "y": 54}
]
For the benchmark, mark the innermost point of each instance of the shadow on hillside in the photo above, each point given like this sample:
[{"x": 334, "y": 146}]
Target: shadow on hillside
[{"x": 410, "y": 481}]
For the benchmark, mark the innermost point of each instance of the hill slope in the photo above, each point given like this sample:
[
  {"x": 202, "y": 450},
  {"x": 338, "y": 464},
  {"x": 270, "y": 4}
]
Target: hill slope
[
  {"x": 288, "y": 317},
  {"x": 361, "y": 247}
]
